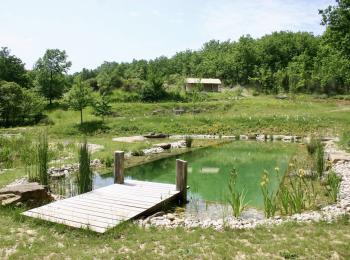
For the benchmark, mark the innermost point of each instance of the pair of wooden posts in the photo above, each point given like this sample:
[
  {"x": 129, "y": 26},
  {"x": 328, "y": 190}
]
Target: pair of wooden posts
[{"x": 181, "y": 174}]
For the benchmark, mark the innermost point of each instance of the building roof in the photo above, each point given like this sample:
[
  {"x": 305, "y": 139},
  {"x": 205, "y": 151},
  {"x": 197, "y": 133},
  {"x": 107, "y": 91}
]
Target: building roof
[{"x": 202, "y": 81}]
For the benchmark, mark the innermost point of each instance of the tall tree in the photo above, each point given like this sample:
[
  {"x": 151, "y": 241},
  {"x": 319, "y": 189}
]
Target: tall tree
[
  {"x": 79, "y": 96},
  {"x": 337, "y": 20},
  {"x": 12, "y": 68},
  {"x": 51, "y": 70}
]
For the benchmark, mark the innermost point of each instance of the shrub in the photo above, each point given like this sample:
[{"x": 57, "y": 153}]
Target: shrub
[
  {"x": 85, "y": 174},
  {"x": 188, "y": 141},
  {"x": 236, "y": 199},
  {"x": 18, "y": 106},
  {"x": 153, "y": 90}
]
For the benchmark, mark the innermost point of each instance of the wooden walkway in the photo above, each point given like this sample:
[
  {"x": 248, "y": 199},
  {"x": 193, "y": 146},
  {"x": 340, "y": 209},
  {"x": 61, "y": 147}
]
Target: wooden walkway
[{"x": 107, "y": 207}]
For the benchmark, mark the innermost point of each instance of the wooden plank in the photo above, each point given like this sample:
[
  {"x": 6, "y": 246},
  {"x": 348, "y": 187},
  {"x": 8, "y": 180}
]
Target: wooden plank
[
  {"x": 64, "y": 221},
  {"x": 97, "y": 208},
  {"x": 106, "y": 207},
  {"x": 76, "y": 216},
  {"x": 88, "y": 210}
]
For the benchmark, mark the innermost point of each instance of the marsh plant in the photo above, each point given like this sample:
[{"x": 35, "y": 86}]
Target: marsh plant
[
  {"x": 319, "y": 160},
  {"x": 333, "y": 185},
  {"x": 298, "y": 194},
  {"x": 188, "y": 141},
  {"x": 85, "y": 174},
  {"x": 42, "y": 158},
  {"x": 270, "y": 201},
  {"x": 236, "y": 198}
]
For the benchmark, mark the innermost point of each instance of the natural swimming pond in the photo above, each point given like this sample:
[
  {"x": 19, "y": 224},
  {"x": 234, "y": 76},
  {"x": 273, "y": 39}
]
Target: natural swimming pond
[{"x": 209, "y": 170}]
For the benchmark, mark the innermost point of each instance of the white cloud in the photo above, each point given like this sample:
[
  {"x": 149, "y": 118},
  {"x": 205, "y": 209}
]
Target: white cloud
[{"x": 232, "y": 19}]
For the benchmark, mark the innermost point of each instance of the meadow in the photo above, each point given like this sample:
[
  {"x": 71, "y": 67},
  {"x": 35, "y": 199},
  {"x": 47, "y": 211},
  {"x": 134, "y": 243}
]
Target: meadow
[{"x": 301, "y": 115}]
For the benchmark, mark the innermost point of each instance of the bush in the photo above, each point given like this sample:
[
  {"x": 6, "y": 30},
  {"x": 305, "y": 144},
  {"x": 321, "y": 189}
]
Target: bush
[
  {"x": 153, "y": 90},
  {"x": 19, "y": 106}
]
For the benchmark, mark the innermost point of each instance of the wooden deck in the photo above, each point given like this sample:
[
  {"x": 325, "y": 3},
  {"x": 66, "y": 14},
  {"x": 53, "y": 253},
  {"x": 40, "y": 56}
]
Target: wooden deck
[{"x": 107, "y": 207}]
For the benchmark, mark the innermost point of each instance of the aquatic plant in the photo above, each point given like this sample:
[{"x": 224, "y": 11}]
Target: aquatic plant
[
  {"x": 236, "y": 198},
  {"x": 42, "y": 158},
  {"x": 188, "y": 141},
  {"x": 270, "y": 202},
  {"x": 319, "y": 160},
  {"x": 85, "y": 174},
  {"x": 333, "y": 185}
]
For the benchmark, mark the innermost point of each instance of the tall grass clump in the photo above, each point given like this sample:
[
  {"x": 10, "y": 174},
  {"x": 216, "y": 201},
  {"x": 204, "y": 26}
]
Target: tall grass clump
[
  {"x": 270, "y": 201},
  {"x": 42, "y": 158},
  {"x": 85, "y": 173},
  {"x": 319, "y": 160},
  {"x": 188, "y": 141},
  {"x": 236, "y": 198},
  {"x": 333, "y": 185}
]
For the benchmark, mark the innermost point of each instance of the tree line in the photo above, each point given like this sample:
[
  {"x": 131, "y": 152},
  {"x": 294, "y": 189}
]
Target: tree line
[{"x": 288, "y": 62}]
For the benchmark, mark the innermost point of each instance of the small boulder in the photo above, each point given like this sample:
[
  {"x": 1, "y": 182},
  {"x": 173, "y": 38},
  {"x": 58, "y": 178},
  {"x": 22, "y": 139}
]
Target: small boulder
[
  {"x": 29, "y": 192},
  {"x": 165, "y": 146}
]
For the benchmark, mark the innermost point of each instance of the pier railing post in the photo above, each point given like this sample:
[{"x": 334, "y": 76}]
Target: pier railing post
[
  {"x": 181, "y": 179},
  {"x": 119, "y": 167}
]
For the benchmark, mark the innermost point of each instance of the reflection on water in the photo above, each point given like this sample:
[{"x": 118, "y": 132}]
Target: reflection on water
[{"x": 209, "y": 170}]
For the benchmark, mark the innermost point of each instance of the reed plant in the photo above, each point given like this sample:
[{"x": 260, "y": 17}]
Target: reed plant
[
  {"x": 236, "y": 198},
  {"x": 270, "y": 201},
  {"x": 188, "y": 141},
  {"x": 333, "y": 185},
  {"x": 85, "y": 174},
  {"x": 319, "y": 160},
  {"x": 42, "y": 158}
]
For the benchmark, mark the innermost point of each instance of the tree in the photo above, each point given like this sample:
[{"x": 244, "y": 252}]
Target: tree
[
  {"x": 12, "y": 68},
  {"x": 102, "y": 106},
  {"x": 153, "y": 90},
  {"x": 337, "y": 20},
  {"x": 79, "y": 96},
  {"x": 50, "y": 73},
  {"x": 17, "y": 105}
]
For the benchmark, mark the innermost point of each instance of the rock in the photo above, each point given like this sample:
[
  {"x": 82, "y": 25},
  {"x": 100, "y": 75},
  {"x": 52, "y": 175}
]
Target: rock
[
  {"x": 154, "y": 135},
  {"x": 179, "y": 144},
  {"x": 154, "y": 150},
  {"x": 25, "y": 193},
  {"x": 165, "y": 146},
  {"x": 243, "y": 137},
  {"x": 59, "y": 175},
  {"x": 281, "y": 96},
  {"x": 7, "y": 199},
  {"x": 170, "y": 216}
]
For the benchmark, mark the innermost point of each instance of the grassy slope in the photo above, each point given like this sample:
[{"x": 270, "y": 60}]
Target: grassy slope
[
  {"x": 34, "y": 239},
  {"x": 260, "y": 114}
]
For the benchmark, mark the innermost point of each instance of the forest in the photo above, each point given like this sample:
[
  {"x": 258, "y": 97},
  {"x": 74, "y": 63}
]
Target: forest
[{"x": 280, "y": 62}]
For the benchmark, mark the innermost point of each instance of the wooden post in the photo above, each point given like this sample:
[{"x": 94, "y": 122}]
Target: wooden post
[
  {"x": 181, "y": 179},
  {"x": 119, "y": 167}
]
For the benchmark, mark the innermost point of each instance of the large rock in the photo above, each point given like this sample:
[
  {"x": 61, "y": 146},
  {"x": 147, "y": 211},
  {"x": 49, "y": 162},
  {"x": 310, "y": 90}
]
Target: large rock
[
  {"x": 165, "y": 146},
  {"x": 154, "y": 135},
  {"x": 32, "y": 193}
]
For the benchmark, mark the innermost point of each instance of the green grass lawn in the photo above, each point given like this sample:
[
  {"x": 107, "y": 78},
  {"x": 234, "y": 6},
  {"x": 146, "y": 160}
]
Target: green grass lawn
[{"x": 30, "y": 239}]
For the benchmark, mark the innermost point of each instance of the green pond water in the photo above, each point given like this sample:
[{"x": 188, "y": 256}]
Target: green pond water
[{"x": 209, "y": 170}]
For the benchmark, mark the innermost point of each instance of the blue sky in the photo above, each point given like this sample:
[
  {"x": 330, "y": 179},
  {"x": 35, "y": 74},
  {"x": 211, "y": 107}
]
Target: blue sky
[{"x": 93, "y": 31}]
